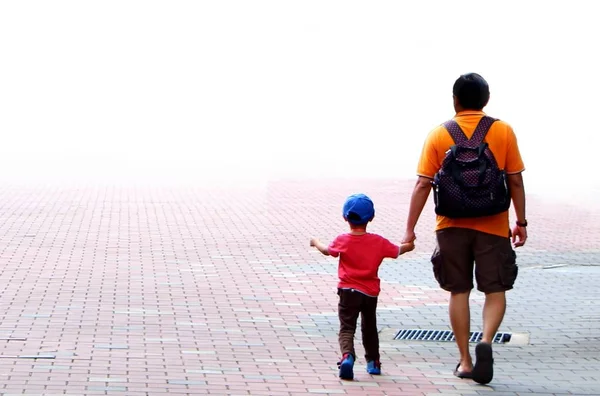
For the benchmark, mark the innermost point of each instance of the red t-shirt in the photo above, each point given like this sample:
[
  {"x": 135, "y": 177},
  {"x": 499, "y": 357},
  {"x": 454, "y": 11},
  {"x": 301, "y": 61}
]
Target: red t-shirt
[{"x": 360, "y": 257}]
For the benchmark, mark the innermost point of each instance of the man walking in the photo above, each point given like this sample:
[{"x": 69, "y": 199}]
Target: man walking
[{"x": 475, "y": 167}]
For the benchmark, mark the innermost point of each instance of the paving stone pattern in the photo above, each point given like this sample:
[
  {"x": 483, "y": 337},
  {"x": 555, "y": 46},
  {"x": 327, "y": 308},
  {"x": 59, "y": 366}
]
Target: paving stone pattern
[{"x": 191, "y": 289}]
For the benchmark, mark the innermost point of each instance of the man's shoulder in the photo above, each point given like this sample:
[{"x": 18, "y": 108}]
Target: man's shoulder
[
  {"x": 501, "y": 131},
  {"x": 437, "y": 131},
  {"x": 441, "y": 126},
  {"x": 499, "y": 123}
]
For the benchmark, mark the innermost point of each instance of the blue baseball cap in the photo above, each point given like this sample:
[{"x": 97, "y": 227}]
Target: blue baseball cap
[{"x": 358, "y": 209}]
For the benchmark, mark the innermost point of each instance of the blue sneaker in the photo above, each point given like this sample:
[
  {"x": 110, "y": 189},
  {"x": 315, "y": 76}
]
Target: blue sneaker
[
  {"x": 374, "y": 367},
  {"x": 346, "y": 366}
]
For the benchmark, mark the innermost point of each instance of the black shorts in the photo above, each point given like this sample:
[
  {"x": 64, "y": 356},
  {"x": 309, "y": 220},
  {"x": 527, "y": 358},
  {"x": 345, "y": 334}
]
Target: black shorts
[{"x": 459, "y": 250}]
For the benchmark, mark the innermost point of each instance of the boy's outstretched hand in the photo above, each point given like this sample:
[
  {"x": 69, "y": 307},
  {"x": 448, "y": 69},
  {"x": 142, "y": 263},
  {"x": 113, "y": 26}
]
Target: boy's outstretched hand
[{"x": 320, "y": 246}]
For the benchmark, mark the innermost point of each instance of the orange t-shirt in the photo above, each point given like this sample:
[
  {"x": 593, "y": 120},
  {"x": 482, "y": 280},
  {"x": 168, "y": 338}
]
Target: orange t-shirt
[{"x": 503, "y": 144}]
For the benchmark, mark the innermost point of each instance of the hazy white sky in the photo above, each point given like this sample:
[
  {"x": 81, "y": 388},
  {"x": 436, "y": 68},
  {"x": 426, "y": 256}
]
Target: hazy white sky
[{"x": 287, "y": 88}]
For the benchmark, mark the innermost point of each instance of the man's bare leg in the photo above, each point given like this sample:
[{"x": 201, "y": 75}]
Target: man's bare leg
[
  {"x": 493, "y": 313},
  {"x": 460, "y": 319}
]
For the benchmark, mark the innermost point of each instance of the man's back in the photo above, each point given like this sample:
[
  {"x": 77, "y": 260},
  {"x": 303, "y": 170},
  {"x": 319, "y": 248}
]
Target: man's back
[{"x": 503, "y": 144}]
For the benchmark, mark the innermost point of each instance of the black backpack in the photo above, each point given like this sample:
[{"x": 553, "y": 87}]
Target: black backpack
[{"x": 469, "y": 183}]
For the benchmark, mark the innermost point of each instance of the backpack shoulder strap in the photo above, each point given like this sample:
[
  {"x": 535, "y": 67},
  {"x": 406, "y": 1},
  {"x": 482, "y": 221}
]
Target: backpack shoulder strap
[
  {"x": 482, "y": 129},
  {"x": 454, "y": 129}
]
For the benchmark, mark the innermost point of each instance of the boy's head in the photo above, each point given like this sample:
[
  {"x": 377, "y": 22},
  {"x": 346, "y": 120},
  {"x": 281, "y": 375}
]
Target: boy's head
[{"x": 358, "y": 210}]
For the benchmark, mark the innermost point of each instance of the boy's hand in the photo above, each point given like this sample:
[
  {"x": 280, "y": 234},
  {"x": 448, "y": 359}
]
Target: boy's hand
[
  {"x": 320, "y": 247},
  {"x": 407, "y": 247}
]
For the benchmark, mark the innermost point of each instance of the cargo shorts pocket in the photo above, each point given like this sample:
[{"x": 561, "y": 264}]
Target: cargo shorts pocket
[
  {"x": 437, "y": 262},
  {"x": 509, "y": 269}
]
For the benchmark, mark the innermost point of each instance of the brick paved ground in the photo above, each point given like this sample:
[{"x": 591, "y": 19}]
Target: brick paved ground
[{"x": 152, "y": 290}]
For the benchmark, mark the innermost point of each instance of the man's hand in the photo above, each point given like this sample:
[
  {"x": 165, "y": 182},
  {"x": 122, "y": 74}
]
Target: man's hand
[
  {"x": 519, "y": 236},
  {"x": 314, "y": 242},
  {"x": 409, "y": 237},
  {"x": 418, "y": 200},
  {"x": 517, "y": 193}
]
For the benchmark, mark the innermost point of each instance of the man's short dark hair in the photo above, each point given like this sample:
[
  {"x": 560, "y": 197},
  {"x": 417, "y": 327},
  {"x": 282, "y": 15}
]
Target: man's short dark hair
[{"x": 472, "y": 91}]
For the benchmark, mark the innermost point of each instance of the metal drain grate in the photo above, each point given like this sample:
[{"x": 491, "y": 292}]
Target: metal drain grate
[{"x": 445, "y": 336}]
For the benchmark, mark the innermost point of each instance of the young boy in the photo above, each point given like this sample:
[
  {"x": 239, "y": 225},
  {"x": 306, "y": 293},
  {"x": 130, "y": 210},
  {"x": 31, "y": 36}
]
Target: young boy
[{"x": 360, "y": 255}]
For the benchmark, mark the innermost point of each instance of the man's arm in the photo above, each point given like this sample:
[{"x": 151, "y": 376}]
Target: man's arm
[
  {"x": 517, "y": 194},
  {"x": 417, "y": 203}
]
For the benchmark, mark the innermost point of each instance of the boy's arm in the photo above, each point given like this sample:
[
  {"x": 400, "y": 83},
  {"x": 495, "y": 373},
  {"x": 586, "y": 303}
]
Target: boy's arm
[
  {"x": 321, "y": 247},
  {"x": 392, "y": 250}
]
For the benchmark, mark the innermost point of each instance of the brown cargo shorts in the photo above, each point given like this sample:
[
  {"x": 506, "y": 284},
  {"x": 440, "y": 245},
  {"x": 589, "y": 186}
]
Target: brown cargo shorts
[{"x": 460, "y": 250}]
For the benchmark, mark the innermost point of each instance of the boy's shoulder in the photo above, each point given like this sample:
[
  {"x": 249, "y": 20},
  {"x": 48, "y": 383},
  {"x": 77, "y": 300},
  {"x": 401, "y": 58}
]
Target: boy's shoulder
[
  {"x": 369, "y": 236},
  {"x": 344, "y": 235},
  {"x": 378, "y": 237}
]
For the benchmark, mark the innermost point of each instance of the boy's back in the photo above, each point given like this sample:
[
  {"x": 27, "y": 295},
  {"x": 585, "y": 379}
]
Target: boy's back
[{"x": 360, "y": 258}]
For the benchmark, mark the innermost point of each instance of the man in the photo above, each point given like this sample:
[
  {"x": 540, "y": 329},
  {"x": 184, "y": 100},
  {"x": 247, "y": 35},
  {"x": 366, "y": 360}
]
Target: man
[{"x": 464, "y": 243}]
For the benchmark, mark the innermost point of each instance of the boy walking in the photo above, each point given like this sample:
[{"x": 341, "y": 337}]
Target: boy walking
[{"x": 361, "y": 254}]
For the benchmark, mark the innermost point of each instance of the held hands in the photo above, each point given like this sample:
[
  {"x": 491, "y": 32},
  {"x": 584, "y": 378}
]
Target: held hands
[
  {"x": 409, "y": 236},
  {"x": 407, "y": 243},
  {"x": 407, "y": 247}
]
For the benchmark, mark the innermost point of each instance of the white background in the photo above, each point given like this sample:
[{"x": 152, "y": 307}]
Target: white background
[{"x": 264, "y": 89}]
